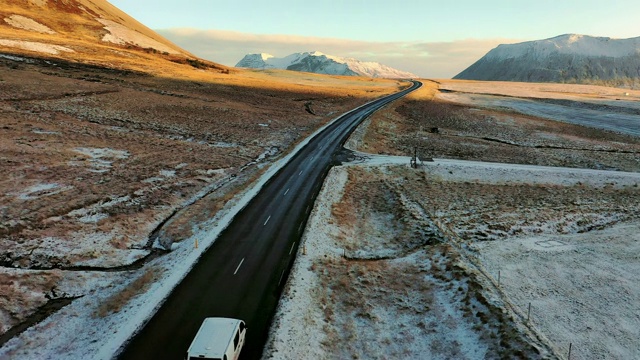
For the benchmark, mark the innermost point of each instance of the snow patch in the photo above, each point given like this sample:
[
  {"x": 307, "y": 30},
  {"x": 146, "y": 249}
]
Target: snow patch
[
  {"x": 40, "y": 190},
  {"x": 35, "y": 46},
  {"x": 25, "y": 23},
  {"x": 93, "y": 213},
  {"x": 122, "y": 35},
  {"x": 97, "y": 158},
  {"x": 44, "y": 132},
  {"x": 14, "y": 58},
  {"x": 168, "y": 173}
]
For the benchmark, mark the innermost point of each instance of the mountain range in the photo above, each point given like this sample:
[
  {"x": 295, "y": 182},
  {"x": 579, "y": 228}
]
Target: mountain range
[
  {"x": 317, "y": 62},
  {"x": 567, "y": 58}
]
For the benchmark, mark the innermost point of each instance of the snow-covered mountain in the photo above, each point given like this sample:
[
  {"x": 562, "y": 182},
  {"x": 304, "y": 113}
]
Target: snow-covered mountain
[
  {"x": 565, "y": 58},
  {"x": 320, "y": 63}
]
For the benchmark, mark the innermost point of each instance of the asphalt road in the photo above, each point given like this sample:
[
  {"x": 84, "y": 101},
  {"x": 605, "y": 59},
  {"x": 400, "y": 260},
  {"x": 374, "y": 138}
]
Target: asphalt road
[{"x": 242, "y": 274}]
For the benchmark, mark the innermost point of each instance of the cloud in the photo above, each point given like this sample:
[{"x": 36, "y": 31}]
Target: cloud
[{"x": 425, "y": 59}]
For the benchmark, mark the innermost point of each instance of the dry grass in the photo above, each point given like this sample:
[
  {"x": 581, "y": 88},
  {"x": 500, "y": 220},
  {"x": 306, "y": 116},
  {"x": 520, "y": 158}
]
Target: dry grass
[
  {"x": 119, "y": 299},
  {"x": 514, "y": 209},
  {"x": 399, "y": 306},
  {"x": 422, "y": 294},
  {"x": 17, "y": 293},
  {"x": 101, "y": 145},
  {"x": 196, "y": 133},
  {"x": 369, "y": 200},
  {"x": 447, "y": 130}
]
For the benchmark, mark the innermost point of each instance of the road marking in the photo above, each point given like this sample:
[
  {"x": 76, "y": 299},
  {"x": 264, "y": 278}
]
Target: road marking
[
  {"x": 286, "y": 192},
  {"x": 300, "y": 227},
  {"x": 294, "y": 244},
  {"x": 281, "y": 276},
  {"x": 238, "y": 268},
  {"x": 300, "y": 173},
  {"x": 265, "y": 223}
]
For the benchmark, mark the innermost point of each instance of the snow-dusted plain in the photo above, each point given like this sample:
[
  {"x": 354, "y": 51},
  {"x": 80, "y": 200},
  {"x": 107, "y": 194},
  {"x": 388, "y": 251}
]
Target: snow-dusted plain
[
  {"x": 561, "y": 273},
  {"x": 561, "y": 239}
]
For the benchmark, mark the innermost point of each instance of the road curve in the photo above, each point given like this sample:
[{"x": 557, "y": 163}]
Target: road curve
[{"x": 241, "y": 275}]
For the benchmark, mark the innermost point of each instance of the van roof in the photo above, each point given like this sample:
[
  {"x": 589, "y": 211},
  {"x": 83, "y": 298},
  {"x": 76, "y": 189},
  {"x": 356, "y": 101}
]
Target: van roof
[{"x": 213, "y": 338}]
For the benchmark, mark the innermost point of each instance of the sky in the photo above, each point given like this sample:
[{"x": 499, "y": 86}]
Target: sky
[{"x": 432, "y": 39}]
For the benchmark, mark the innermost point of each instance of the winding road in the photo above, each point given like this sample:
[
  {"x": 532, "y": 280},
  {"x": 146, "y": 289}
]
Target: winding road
[{"x": 242, "y": 274}]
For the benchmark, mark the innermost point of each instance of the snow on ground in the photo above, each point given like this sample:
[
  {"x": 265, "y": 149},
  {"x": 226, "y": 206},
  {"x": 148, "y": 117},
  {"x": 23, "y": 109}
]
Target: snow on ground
[
  {"x": 575, "y": 281},
  {"x": 602, "y": 118},
  {"x": 299, "y": 315},
  {"x": 300, "y": 328},
  {"x": 120, "y": 303},
  {"x": 35, "y": 46},
  {"x": 23, "y": 22},
  {"x": 40, "y": 190},
  {"x": 583, "y": 289},
  {"x": 122, "y": 35},
  {"x": 427, "y": 324},
  {"x": 595, "y": 106},
  {"x": 99, "y": 158}
]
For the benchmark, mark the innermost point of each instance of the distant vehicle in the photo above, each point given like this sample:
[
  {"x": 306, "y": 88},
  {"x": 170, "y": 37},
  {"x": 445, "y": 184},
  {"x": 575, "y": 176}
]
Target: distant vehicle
[{"x": 218, "y": 339}]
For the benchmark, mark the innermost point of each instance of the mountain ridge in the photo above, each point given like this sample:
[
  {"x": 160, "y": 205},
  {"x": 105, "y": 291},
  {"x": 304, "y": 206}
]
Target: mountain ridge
[
  {"x": 318, "y": 62},
  {"x": 564, "y": 58}
]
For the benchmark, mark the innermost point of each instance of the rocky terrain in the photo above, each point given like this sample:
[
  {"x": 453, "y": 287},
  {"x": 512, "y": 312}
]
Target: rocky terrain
[{"x": 567, "y": 58}]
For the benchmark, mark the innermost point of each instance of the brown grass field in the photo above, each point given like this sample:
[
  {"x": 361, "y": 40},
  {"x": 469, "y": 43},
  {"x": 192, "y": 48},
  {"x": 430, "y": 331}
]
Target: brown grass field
[{"x": 101, "y": 145}]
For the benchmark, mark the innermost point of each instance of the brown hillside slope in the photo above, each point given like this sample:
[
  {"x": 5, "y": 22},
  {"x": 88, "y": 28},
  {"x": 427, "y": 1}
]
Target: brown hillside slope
[
  {"x": 92, "y": 31},
  {"x": 102, "y": 143}
]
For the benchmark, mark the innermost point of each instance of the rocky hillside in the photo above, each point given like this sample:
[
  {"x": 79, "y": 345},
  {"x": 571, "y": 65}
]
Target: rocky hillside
[
  {"x": 317, "y": 62},
  {"x": 88, "y": 31},
  {"x": 566, "y": 59}
]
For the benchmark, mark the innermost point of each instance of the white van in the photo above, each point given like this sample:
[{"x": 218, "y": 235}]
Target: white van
[{"x": 218, "y": 339}]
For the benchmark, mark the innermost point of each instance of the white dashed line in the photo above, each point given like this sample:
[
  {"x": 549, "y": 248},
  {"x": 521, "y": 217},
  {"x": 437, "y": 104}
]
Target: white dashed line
[
  {"x": 286, "y": 192},
  {"x": 294, "y": 244},
  {"x": 265, "y": 223},
  {"x": 238, "y": 268}
]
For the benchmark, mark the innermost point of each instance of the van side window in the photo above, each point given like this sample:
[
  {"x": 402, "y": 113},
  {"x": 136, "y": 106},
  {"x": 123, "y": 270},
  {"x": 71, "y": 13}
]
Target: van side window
[{"x": 236, "y": 340}]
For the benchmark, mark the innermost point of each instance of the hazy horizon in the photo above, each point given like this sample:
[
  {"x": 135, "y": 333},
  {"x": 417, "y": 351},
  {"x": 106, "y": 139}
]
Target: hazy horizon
[{"x": 431, "y": 39}]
